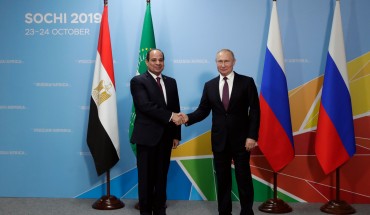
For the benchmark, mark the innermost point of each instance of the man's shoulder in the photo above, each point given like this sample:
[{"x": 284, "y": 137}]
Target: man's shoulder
[
  {"x": 242, "y": 77},
  {"x": 213, "y": 80},
  {"x": 140, "y": 76},
  {"x": 165, "y": 77}
]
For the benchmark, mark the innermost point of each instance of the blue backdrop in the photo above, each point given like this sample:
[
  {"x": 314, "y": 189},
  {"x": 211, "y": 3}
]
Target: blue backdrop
[{"x": 47, "y": 56}]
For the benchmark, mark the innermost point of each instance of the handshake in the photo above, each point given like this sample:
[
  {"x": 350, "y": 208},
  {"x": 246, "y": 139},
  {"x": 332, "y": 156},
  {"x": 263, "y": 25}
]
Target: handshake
[{"x": 179, "y": 118}]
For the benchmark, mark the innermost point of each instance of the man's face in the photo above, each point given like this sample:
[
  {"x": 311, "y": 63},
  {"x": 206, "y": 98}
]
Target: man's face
[
  {"x": 225, "y": 63},
  {"x": 156, "y": 62}
]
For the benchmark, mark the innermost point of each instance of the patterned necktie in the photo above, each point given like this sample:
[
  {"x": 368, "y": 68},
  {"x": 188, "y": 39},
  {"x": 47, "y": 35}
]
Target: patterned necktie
[
  {"x": 159, "y": 84},
  {"x": 225, "y": 94}
]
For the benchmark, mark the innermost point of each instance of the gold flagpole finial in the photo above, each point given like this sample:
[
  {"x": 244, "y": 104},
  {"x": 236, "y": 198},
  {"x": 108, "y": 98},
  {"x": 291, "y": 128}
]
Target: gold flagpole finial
[
  {"x": 105, "y": 2},
  {"x": 148, "y": 1}
]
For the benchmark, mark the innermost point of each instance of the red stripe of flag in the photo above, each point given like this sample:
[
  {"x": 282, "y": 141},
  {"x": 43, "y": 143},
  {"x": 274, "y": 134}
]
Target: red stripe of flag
[{"x": 104, "y": 46}]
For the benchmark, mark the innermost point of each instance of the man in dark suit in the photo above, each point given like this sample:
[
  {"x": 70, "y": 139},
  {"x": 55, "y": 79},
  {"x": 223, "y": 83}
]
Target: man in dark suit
[
  {"x": 155, "y": 133},
  {"x": 235, "y": 124}
]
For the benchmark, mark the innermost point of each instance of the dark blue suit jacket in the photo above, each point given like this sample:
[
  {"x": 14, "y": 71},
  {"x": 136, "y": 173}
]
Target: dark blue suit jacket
[
  {"x": 239, "y": 122},
  {"x": 152, "y": 112}
]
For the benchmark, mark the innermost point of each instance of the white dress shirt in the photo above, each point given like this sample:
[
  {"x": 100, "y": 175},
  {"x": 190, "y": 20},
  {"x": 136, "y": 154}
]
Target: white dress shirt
[
  {"x": 162, "y": 84},
  {"x": 230, "y": 81}
]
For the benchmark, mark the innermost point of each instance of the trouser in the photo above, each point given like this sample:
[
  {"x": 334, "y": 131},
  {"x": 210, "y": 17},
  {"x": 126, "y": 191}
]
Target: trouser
[
  {"x": 222, "y": 161},
  {"x": 153, "y": 164}
]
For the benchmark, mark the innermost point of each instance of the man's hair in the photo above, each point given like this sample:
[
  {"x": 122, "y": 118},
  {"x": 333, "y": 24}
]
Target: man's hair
[
  {"x": 226, "y": 50},
  {"x": 148, "y": 53}
]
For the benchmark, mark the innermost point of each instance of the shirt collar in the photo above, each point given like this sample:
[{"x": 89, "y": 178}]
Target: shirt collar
[
  {"x": 230, "y": 76},
  {"x": 155, "y": 76}
]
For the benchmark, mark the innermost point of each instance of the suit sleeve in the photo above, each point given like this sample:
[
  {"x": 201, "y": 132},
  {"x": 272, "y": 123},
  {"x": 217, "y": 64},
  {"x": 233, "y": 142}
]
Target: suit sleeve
[
  {"x": 203, "y": 109},
  {"x": 254, "y": 111},
  {"x": 177, "y": 110}
]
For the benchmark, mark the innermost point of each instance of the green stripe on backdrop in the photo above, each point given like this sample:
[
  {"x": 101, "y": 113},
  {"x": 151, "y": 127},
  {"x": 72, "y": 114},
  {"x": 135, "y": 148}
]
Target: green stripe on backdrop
[{"x": 202, "y": 174}]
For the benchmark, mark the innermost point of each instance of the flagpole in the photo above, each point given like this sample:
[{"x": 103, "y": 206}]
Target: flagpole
[
  {"x": 108, "y": 202},
  {"x": 275, "y": 205},
  {"x": 341, "y": 121},
  {"x": 271, "y": 139},
  {"x": 337, "y": 206}
]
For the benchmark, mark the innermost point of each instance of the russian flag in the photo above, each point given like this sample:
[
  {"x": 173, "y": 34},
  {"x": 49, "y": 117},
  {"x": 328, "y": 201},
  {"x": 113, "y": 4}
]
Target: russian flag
[
  {"x": 276, "y": 139},
  {"x": 335, "y": 139},
  {"x": 102, "y": 134}
]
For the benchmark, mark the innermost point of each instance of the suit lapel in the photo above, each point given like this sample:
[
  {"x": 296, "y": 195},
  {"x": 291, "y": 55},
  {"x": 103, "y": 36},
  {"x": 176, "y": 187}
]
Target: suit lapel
[
  {"x": 215, "y": 91},
  {"x": 167, "y": 86},
  {"x": 165, "y": 81},
  {"x": 236, "y": 86}
]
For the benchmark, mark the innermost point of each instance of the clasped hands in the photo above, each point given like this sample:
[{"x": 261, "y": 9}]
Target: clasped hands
[{"x": 179, "y": 118}]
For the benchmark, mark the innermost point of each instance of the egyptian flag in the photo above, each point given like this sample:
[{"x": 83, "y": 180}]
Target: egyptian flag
[
  {"x": 102, "y": 134},
  {"x": 275, "y": 134},
  {"x": 335, "y": 139}
]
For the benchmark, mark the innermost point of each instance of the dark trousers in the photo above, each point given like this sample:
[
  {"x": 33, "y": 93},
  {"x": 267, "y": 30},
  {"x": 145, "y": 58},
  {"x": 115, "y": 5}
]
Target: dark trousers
[
  {"x": 222, "y": 161},
  {"x": 152, "y": 165}
]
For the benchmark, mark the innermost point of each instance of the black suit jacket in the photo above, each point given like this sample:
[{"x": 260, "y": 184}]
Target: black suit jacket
[
  {"x": 239, "y": 122},
  {"x": 152, "y": 113}
]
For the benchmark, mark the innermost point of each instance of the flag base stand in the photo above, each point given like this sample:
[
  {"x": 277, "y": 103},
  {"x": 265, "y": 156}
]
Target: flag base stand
[
  {"x": 275, "y": 205},
  {"x": 337, "y": 207},
  {"x": 108, "y": 203}
]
